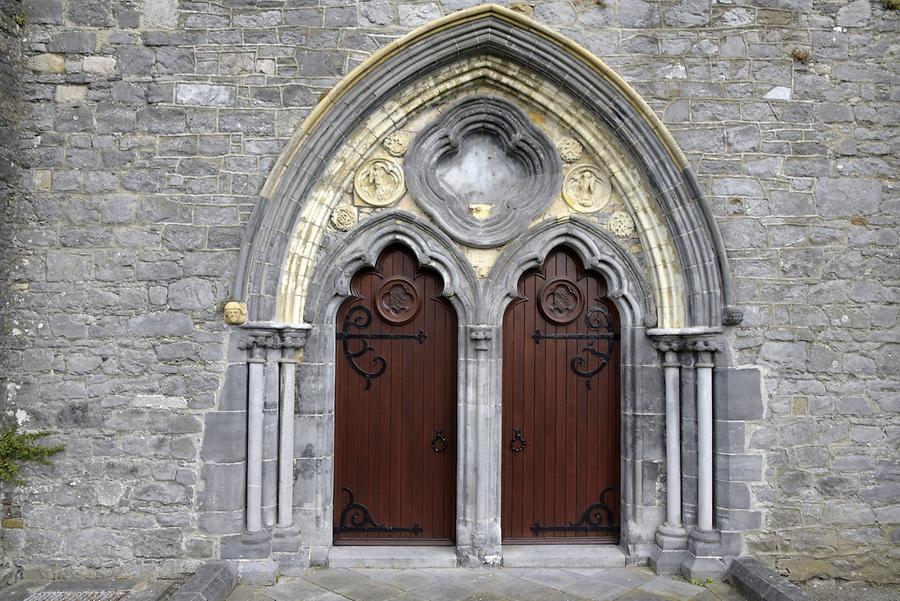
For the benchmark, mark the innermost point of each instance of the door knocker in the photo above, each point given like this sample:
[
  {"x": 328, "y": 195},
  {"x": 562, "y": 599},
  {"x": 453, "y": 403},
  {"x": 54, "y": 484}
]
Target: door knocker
[
  {"x": 517, "y": 444},
  {"x": 439, "y": 443}
]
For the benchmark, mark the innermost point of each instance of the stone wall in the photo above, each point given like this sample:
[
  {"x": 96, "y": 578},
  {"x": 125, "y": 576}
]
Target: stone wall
[
  {"x": 150, "y": 130},
  {"x": 10, "y": 108}
]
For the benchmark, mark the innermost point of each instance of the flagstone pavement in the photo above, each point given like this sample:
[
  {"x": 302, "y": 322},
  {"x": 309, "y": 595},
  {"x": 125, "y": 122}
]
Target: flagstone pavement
[{"x": 503, "y": 584}]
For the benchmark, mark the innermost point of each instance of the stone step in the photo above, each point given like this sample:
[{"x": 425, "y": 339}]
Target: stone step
[
  {"x": 563, "y": 556},
  {"x": 364, "y": 556}
]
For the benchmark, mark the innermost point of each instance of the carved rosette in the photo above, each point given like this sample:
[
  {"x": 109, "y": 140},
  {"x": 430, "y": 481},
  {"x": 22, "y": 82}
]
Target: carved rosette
[
  {"x": 343, "y": 218},
  {"x": 379, "y": 182},
  {"x": 396, "y": 143},
  {"x": 621, "y": 224},
  {"x": 570, "y": 150},
  {"x": 397, "y": 300},
  {"x": 586, "y": 189},
  {"x": 561, "y": 301}
]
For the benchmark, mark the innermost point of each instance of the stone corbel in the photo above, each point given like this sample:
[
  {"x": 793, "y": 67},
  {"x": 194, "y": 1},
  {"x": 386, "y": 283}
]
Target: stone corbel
[{"x": 272, "y": 353}]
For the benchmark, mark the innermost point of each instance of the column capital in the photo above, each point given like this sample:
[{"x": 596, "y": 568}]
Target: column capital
[
  {"x": 703, "y": 345},
  {"x": 666, "y": 344},
  {"x": 272, "y": 336}
]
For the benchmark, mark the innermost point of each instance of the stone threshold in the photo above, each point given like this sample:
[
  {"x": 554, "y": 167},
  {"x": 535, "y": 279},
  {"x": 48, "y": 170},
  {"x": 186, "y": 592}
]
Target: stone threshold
[
  {"x": 514, "y": 556},
  {"x": 397, "y": 556},
  {"x": 563, "y": 556}
]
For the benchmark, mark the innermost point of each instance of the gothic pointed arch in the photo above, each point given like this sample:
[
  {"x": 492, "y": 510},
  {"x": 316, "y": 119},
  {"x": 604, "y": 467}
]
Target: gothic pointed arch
[{"x": 494, "y": 48}]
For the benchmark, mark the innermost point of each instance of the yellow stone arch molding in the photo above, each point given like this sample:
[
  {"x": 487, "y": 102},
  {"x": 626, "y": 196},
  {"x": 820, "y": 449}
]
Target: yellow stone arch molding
[{"x": 682, "y": 253}]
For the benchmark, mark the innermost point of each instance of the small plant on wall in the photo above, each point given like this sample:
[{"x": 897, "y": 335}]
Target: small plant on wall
[{"x": 17, "y": 447}]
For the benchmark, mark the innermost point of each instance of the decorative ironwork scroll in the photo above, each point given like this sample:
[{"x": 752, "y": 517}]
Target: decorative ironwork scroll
[
  {"x": 600, "y": 324},
  {"x": 596, "y": 518},
  {"x": 360, "y": 317},
  {"x": 361, "y": 520}
]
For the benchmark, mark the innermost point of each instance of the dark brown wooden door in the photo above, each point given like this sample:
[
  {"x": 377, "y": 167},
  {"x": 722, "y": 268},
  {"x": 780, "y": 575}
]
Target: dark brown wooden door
[
  {"x": 560, "y": 408},
  {"x": 395, "y": 408}
]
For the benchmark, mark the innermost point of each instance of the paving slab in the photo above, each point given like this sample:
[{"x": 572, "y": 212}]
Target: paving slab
[{"x": 495, "y": 584}]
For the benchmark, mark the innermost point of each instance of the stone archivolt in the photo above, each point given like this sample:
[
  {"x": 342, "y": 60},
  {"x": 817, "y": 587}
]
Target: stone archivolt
[
  {"x": 562, "y": 118},
  {"x": 492, "y": 50}
]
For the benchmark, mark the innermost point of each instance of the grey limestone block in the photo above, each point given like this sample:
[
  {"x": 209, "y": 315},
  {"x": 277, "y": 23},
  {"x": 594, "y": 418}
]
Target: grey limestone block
[
  {"x": 224, "y": 437},
  {"x": 759, "y": 583},
  {"x": 738, "y": 394}
]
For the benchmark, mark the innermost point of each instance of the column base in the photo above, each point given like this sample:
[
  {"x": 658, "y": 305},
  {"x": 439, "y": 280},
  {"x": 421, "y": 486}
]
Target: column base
[
  {"x": 479, "y": 557},
  {"x": 704, "y": 557},
  {"x": 670, "y": 550}
]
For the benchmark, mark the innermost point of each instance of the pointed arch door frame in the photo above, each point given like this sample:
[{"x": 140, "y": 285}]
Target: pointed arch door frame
[
  {"x": 479, "y": 305},
  {"x": 691, "y": 297}
]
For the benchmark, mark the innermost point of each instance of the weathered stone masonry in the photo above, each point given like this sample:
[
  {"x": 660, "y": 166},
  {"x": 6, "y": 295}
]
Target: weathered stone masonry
[{"x": 151, "y": 127}]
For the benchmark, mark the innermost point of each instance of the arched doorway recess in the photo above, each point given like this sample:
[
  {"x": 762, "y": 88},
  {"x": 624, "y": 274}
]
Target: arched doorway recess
[{"x": 581, "y": 161}]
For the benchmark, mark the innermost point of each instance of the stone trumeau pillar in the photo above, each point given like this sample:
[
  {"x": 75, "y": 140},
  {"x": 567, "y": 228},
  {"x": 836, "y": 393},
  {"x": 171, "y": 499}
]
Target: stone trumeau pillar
[{"x": 478, "y": 524}]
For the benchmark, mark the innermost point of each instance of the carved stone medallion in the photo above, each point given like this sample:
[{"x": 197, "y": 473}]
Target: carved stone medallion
[
  {"x": 561, "y": 300},
  {"x": 483, "y": 171},
  {"x": 397, "y": 300},
  {"x": 621, "y": 224},
  {"x": 396, "y": 143},
  {"x": 570, "y": 150},
  {"x": 343, "y": 217},
  {"x": 379, "y": 182},
  {"x": 586, "y": 189}
]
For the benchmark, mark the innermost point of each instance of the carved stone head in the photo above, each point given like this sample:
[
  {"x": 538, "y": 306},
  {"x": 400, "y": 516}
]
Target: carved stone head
[{"x": 235, "y": 313}]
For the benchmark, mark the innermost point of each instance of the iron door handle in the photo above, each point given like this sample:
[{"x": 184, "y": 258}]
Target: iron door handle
[
  {"x": 517, "y": 444},
  {"x": 439, "y": 443}
]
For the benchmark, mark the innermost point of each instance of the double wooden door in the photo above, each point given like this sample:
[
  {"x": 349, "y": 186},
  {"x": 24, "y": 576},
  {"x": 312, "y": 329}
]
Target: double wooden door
[
  {"x": 395, "y": 408},
  {"x": 560, "y": 408}
]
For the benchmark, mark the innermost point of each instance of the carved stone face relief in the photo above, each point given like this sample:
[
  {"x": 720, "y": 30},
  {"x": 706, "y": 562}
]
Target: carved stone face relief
[
  {"x": 379, "y": 182},
  {"x": 235, "y": 313},
  {"x": 586, "y": 189},
  {"x": 483, "y": 171}
]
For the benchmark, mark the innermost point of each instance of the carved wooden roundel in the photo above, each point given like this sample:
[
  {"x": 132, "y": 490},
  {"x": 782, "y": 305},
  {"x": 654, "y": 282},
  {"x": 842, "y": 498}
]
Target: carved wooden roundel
[
  {"x": 397, "y": 300},
  {"x": 561, "y": 300}
]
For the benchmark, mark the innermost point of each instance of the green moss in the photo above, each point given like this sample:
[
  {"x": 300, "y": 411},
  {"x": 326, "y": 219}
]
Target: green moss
[
  {"x": 891, "y": 4},
  {"x": 16, "y": 447}
]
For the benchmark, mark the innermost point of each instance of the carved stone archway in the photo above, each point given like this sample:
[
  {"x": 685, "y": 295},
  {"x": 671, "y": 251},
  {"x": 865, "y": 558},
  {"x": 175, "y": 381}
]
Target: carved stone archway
[{"x": 337, "y": 196}]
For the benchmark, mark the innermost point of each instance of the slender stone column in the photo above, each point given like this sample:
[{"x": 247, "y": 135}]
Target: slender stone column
[
  {"x": 292, "y": 342},
  {"x": 704, "y": 368},
  {"x": 256, "y": 396},
  {"x": 671, "y": 537},
  {"x": 286, "y": 440},
  {"x": 704, "y": 558},
  {"x": 270, "y": 433},
  {"x": 672, "y": 368}
]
